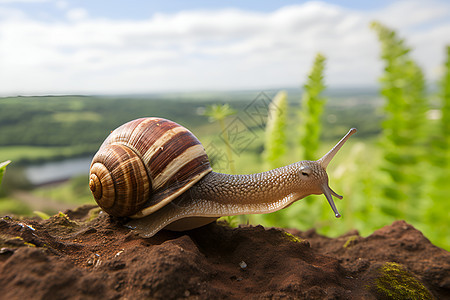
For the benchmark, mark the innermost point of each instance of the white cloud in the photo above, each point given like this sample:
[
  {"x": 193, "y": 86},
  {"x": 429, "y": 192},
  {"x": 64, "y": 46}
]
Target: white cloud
[
  {"x": 61, "y": 4},
  {"x": 216, "y": 49},
  {"x": 77, "y": 14},
  {"x": 408, "y": 14},
  {"x": 14, "y": 15}
]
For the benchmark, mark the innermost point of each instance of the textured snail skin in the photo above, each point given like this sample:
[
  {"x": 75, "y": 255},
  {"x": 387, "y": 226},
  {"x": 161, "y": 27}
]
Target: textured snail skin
[{"x": 217, "y": 195}]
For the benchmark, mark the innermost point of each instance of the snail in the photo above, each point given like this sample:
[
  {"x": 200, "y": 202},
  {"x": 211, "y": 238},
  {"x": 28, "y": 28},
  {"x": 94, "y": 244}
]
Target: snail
[{"x": 157, "y": 173}]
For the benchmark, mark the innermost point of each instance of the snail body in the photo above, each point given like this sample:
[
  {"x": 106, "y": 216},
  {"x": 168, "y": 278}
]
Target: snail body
[{"x": 157, "y": 173}]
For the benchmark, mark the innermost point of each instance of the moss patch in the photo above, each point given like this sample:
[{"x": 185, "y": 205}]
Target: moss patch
[
  {"x": 395, "y": 282},
  {"x": 291, "y": 237},
  {"x": 7, "y": 241},
  {"x": 93, "y": 213},
  {"x": 62, "y": 219},
  {"x": 351, "y": 241}
]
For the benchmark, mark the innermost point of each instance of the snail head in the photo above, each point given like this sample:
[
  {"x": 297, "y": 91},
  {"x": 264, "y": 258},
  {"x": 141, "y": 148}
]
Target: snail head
[{"x": 316, "y": 175}]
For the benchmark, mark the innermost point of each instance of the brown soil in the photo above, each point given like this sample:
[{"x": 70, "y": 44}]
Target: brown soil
[{"x": 84, "y": 256}]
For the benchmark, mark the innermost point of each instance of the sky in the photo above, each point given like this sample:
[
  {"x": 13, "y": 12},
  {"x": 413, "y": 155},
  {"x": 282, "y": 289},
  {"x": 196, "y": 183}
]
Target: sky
[{"x": 139, "y": 46}]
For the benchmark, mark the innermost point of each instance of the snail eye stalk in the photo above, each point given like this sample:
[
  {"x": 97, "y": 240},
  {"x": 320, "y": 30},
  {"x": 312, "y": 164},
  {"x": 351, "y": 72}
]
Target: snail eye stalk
[{"x": 325, "y": 160}]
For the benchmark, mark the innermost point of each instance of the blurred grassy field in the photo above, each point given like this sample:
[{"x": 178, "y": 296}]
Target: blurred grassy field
[
  {"x": 38, "y": 129},
  {"x": 38, "y": 154}
]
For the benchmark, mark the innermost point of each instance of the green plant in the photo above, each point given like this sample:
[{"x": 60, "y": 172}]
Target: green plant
[
  {"x": 440, "y": 160},
  {"x": 403, "y": 87},
  {"x": 312, "y": 105},
  {"x": 311, "y": 110},
  {"x": 275, "y": 139},
  {"x": 3, "y": 168},
  {"x": 219, "y": 113},
  {"x": 308, "y": 212},
  {"x": 41, "y": 215}
]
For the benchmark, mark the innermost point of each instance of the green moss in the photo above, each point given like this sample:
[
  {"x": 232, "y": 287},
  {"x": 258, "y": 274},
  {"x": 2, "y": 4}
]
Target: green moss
[
  {"x": 395, "y": 282},
  {"x": 29, "y": 244},
  {"x": 64, "y": 220},
  {"x": 350, "y": 241},
  {"x": 291, "y": 237},
  {"x": 93, "y": 213},
  {"x": 8, "y": 241}
]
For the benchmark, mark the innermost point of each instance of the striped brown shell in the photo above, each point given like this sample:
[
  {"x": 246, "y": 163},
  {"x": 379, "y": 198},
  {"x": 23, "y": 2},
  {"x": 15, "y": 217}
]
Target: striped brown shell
[{"x": 145, "y": 164}]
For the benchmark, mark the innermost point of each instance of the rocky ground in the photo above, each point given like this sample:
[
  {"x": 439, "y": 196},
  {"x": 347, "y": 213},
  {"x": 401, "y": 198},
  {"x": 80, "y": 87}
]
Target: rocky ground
[{"x": 86, "y": 255}]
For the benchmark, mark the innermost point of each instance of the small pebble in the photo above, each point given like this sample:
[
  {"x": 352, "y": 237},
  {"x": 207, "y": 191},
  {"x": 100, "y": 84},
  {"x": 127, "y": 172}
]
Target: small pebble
[
  {"x": 94, "y": 260},
  {"x": 5, "y": 250},
  {"x": 243, "y": 265}
]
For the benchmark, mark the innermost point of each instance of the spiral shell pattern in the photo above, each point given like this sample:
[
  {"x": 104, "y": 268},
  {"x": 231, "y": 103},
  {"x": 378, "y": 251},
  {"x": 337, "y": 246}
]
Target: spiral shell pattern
[{"x": 144, "y": 165}]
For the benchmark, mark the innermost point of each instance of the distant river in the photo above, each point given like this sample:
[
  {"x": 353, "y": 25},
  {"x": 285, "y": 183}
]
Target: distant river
[{"x": 58, "y": 171}]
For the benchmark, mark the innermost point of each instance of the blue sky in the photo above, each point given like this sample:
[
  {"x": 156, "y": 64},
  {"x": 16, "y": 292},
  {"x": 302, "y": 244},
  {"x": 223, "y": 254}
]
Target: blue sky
[
  {"x": 111, "y": 46},
  {"x": 142, "y": 9}
]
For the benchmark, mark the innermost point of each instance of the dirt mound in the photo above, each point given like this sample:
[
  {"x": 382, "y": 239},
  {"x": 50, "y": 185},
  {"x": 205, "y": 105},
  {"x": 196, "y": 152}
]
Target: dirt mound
[{"x": 86, "y": 255}]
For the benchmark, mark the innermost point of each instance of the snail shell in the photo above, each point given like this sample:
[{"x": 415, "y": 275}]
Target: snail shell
[{"x": 145, "y": 164}]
